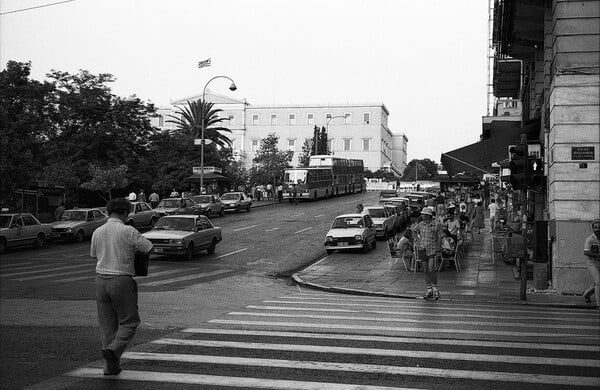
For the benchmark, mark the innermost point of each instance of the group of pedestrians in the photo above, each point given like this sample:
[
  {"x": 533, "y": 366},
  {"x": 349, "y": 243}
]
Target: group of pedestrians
[{"x": 154, "y": 198}]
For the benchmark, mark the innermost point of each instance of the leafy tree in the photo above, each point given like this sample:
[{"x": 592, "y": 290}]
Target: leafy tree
[
  {"x": 426, "y": 169},
  {"x": 24, "y": 123},
  {"x": 319, "y": 141},
  {"x": 106, "y": 179},
  {"x": 189, "y": 122},
  {"x": 304, "y": 157},
  {"x": 269, "y": 160}
]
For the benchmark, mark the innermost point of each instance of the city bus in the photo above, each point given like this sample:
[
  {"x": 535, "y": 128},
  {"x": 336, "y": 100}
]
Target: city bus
[{"x": 324, "y": 177}]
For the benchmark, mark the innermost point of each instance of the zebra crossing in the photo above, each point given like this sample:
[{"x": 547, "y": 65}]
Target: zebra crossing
[
  {"x": 163, "y": 276},
  {"x": 315, "y": 340}
]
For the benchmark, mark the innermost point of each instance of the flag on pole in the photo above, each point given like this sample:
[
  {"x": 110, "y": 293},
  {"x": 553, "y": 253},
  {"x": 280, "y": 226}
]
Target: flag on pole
[{"x": 203, "y": 64}]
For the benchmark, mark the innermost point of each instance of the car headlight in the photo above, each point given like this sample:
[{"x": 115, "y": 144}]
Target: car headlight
[
  {"x": 358, "y": 237},
  {"x": 176, "y": 241},
  {"x": 329, "y": 239}
]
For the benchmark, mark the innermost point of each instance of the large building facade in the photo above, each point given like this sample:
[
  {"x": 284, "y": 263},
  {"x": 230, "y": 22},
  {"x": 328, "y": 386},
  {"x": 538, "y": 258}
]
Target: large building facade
[{"x": 357, "y": 131}]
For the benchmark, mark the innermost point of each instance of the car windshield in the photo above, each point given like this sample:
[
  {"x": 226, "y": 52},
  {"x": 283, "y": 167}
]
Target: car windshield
[
  {"x": 175, "y": 224},
  {"x": 73, "y": 215},
  {"x": 4, "y": 221},
  {"x": 347, "y": 223},
  {"x": 230, "y": 197},
  {"x": 169, "y": 203},
  {"x": 201, "y": 199},
  {"x": 295, "y": 176},
  {"x": 376, "y": 213}
]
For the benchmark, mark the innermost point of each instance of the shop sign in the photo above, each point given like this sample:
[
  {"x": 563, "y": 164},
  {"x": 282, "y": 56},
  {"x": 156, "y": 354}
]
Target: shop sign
[{"x": 582, "y": 152}]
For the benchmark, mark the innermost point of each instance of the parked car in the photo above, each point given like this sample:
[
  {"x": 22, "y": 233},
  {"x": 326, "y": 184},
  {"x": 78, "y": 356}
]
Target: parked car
[
  {"x": 183, "y": 235},
  {"x": 172, "y": 206},
  {"x": 236, "y": 201},
  {"x": 416, "y": 204},
  {"x": 142, "y": 215},
  {"x": 22, "y": 229},
  {"x": 383, "y": 221},
  {"x": 78, "y": 224},
  {"x": 209, "y": 204},
  {"x": 401, "y": 206},
  {"x": 351, "y": 231}
]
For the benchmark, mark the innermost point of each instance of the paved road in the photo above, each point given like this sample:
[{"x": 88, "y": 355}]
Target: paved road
[{"x": 310, "y": 340}]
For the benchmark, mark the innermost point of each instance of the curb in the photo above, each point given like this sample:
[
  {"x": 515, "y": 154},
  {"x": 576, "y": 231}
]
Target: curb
[{"x": 298, "y": 280}]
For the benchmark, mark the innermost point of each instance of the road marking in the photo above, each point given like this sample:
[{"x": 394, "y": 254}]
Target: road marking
[
  {"x": 362, "y": 368},
  {"x": 320, "y": 215},
  {"x": 90, "y": 272},
  {"x": 303, "y": 230},
  {"x": 396, "y": 339},
  {"x": 409, "y": 320},
  {"x": 16, "y": 264},
  {"x": 244, "y": 228},
  {"x": 297, "y": 215},
  {"x": 25, "y": 268},
  {"x": 472, "y": 357},
  {"x": 471, "y": 332},
  {"x": 185, "y": 278},
  {"x": 231, "y": 253},
  {"x": 266, "y": 261},
  {"x": 94, "y": 276},
  {"x": 223, "y": 381},
  {"x": 270, "y": 230},
  {"x": 45, "y": 270}
]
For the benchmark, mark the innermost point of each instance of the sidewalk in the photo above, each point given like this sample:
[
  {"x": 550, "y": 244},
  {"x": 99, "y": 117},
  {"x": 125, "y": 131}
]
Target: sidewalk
[{"x": 481, "y": 278}]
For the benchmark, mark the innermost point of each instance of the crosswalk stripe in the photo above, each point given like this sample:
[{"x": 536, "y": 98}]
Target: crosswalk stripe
[
  {"x": 470, "y": 332},
  {"x": 10, "y": 267},
  {"x": 51, "y": 274},
  {"x": 444, "y": 315},
  {"x": 448, "y": 306},
  {"x": 48, "y": 269},
  {"x": 410, "y": 320},
  {"x": 185, "y": 278},
  {"x": 473, "y": 357},
  {"x": 225, "y": 381},
  {"x": 371, "y": 368},
  {"x": 398, "y": 339},
  {"x": 79, "y": 278}
]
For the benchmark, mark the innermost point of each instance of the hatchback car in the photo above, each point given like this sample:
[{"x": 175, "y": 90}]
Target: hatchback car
[
  {"x": 351, "y": 231},
  {"x": 142, "y": 215},
  {"x": 172, "y": 206},
  {"x": 236, "y": 201},
  {"x": 209, "y": 204},
  {"x": 383, "y": 220},
  {"x": 183, "y": 235},
  {"x": 22, "y": 229},
  {"x": 78, "y": 224}
]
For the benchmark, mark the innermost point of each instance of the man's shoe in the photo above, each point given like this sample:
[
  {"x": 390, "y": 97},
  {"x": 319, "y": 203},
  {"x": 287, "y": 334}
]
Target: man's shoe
[
  {"x": 436, "y": 295},
  {"x": 112, "y": 362},
  {"x": 428, "y": 295}
]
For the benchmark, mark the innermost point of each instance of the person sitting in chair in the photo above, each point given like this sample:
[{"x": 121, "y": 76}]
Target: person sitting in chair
[{"x": 405, "y": 246}]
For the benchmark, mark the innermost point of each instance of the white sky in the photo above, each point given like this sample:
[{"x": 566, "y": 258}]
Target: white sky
[{"x": 424, "y": 59}]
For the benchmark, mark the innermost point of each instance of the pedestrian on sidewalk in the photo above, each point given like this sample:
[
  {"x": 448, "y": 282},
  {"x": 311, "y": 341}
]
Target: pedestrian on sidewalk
[
  {"x": 114, "y": 245},
  {"x": 429, "y": 233},
  {"x": 493, "y": 207},
  {"x": 154, "y": 199},
  {"x": 591, "y": 249},
  {"x": 478, "y": 217}
]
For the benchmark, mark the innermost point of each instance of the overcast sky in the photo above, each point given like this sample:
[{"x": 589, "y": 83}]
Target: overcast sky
[{"x": 425, "y": 60}]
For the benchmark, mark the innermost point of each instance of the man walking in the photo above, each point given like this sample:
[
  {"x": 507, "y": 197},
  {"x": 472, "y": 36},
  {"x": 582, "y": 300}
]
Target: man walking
[
  {"x": 429, "y": 233},
  {"x": 114, "y": 245},
  {"x": 154, "y": 199}
]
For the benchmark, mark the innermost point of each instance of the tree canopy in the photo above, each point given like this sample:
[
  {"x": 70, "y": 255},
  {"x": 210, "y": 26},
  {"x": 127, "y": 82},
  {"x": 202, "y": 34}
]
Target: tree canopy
[
  {"x": 269, "y": 160},
  {"x": 426, "y": 169}
]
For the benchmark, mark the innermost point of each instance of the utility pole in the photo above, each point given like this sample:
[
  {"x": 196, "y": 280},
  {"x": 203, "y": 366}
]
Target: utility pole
[{"x": 525, "y": 204}]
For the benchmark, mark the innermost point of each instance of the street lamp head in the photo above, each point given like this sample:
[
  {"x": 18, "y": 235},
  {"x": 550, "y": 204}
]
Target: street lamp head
[{"x": 232, "y": 87}]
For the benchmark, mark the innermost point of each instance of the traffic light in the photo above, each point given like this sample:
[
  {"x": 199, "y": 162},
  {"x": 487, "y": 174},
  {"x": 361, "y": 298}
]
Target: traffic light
[
  {"x": 518, "y": 166},
  {"x": 536, "y": 172}
]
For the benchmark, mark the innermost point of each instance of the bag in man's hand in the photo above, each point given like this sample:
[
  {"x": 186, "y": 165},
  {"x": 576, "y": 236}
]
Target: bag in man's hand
[{"x": 141, "y": 263}]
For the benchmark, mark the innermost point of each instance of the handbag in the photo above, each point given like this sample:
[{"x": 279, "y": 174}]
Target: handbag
[{"x": 140, "y": 263}]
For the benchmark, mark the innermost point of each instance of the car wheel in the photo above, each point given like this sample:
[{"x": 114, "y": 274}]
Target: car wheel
[
  {"x": 130, "y": 223},
  {"x": 221, "y": 212},
  {"x": 248, "y": 208},
  {"x": 238, "y": 209},
  {"x": 2, "y": 245},
  {"x": 79, "y": 236},
  {"x": 189, "y": 253},
  {"x": 40, "y": 240},
  {"x": 213, "y": 246},
  {"x": 365, "y": 247},
  {"x": 374, "y": 243},
  {"x": 329, "y": 251}
]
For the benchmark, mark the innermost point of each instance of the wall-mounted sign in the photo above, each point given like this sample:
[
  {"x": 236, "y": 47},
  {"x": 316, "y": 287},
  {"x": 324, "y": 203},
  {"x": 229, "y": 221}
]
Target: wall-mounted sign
[{"x": 582, "y": 153}]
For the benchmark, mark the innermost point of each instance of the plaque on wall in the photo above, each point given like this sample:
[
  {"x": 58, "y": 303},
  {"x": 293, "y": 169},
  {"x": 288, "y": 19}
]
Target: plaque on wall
[{"x": 582, "y": 152}]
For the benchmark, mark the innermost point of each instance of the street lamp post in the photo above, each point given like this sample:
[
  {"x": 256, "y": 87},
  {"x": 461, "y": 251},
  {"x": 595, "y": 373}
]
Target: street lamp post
[
  {"x": 329, "y": 120},
  {"x": 232, "y": 87}
]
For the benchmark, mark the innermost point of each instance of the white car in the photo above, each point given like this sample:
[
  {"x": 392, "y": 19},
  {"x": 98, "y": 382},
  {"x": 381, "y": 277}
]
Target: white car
[
  {"x": 78, "y": 224},
  {"x": 351, "y": 231},
  {"x": 18, "y": 229},
  {"x": 383, "y": 220}
]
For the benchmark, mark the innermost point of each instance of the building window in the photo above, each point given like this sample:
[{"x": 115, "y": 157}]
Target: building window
[
  {"x": 273, "y": 119},
  {"x": 366, "y": 144},
  {"x": 161, "y": 121},
  {"x": 347, "y": 144},
  {"x": 347, "y": 118},
  {"x": 310, "y": 118},
  {"x": 255, "y": 119},
  {"x": 291, "y": 144},
  {"x": 367, "y": 118},
  {"x": 254, "y": 147},
  {"x": 292, "y": 119}
]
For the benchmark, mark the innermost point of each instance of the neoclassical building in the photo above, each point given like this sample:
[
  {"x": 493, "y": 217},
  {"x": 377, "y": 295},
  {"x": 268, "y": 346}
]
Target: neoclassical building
[{"x": 354, "y": 130}]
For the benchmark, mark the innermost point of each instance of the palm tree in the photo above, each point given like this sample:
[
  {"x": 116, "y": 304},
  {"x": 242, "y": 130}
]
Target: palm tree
[{"x": 189, "y": 122}]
